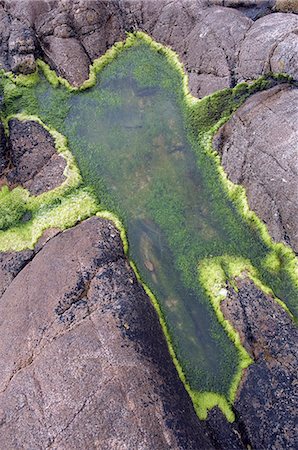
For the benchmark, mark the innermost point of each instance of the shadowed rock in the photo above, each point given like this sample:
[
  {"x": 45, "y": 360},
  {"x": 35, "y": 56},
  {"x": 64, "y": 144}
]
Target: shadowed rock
[{"x": 266, "y": 404}]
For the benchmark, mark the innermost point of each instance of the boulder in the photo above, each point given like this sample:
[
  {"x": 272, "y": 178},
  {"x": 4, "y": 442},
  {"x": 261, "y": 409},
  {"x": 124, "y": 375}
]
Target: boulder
[
  {"x": 270, "y": 38},
  {"x": 35, "y": 164},
  {"x": 258, "y": 148},
  {"x": 266, "y": 403},
  {"x": 84, "y": 363}
]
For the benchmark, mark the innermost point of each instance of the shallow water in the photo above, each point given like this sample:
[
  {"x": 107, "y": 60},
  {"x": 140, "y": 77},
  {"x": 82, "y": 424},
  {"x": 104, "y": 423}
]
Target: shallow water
[{"x": 130, "y": 141}]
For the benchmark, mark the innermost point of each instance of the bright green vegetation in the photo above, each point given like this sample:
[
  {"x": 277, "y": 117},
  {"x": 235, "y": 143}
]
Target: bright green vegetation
[{"x": 143, "y": 144}]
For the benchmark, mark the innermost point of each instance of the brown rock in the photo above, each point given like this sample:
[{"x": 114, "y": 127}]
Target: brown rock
[
  {"x": 3, "y": 152},
  {"x": 11, "y": 263},
  {"x": 211, "y": 50},
  {"x": 267, "y": 36},
  {"x": 84, "y": 361},
  {"x": 266, "y": 404},
  {"x": 218, "y": 45},
  {"x": 35, "y": 163},
  {"x": 258, "y": 147},
  {"x": 68, "y": 57}
]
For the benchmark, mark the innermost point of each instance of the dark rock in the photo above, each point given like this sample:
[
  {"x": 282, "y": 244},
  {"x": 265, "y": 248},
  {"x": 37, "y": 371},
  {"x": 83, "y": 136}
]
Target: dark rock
[
  {"x": 84, "y": 360},
  {"x": 254, "y": 9},
  {"x": 266, "y": 404},
  {"x": 258, "y": 147},
  {"x": 3, "y": 152},
  {"x": 35, "y": 163}
]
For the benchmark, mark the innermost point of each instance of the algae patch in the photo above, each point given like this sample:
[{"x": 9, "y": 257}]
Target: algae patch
[{"x": 144, "y": 146}]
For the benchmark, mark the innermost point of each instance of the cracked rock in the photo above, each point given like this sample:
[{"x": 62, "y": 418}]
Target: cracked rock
[
  {"x": 258, "y": 148},
  {"x": 33, "y": 160},
  {"x": 97, "y": 374},
  {"x": 266, "y": 403}
]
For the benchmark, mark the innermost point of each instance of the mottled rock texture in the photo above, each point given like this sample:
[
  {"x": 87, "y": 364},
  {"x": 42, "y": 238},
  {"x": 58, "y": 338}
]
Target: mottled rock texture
[
  {"x": 258, "y": 147},
  {"x": 84, "y": 363},
  {"x": 29, "y": 158},
  {"x": 218, "y": 45},
  {"x": 266, "y": 404}
]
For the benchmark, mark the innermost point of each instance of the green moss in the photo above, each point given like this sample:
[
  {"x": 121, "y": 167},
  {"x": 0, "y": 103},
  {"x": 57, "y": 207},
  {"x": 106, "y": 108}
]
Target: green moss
[
  {"x": 65, "y": 213},
  {"x": 12, "y": 206}
]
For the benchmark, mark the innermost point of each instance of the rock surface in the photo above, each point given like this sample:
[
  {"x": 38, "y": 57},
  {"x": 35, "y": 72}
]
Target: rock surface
[
  {"x": 83, "y": 358},
  {"x": 258, "y": 147},
  {"x": 271, "y": 44},
  {"x": 30, "y": 158},
  {"x": 110, "y": 382},
  {"x": 266, "y": 404},
  {"x": 218, "y": 45}
]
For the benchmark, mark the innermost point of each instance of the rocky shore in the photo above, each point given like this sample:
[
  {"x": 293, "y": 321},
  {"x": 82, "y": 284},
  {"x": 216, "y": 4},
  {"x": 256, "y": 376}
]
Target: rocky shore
[{"x": 90, "y": 368}]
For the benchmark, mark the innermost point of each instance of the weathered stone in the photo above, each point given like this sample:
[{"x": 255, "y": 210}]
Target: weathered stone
[
  {"x": 266, "y": 404},
  {"x": 211, "y": 50},
  {"x": 84, "y": 363},
  {"x": 11, "y": 263},
  {"x": 258, "y": 147},
  {"x": 3, "y": 153},
  {"x": 262, "y": 40},
  {"x": 218, "y": 45},
  {"x": 32, "y": 153}
]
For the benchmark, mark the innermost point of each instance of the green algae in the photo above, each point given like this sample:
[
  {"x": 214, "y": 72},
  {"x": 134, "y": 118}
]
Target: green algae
[
  {"x": 62, "y": 207},
  {"x": 99, "y": 119}
]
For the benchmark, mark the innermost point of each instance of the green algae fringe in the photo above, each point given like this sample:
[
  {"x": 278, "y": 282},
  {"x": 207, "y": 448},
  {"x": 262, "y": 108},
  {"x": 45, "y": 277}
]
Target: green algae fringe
[{"x": 81, "y": 203}]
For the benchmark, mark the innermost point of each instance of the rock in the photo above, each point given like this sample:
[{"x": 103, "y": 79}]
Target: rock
[
  {"x": 266, "y": 404},
  {"x": 11, "y": 263},
  {"x": 286, "y": 6},
  {"x": 219, "y": 45},
  {"x": 35, "y": 163},
  {"x": 270, "y": 34},
  {"x": 258, "y": 148},
  {"x": 68, "y": 57},
  {"x": 254, "y": 9},
  {"x": 84, "y": 360},
  {"x": 3, "y": 152},
  {"x": 211, "y": 50}
]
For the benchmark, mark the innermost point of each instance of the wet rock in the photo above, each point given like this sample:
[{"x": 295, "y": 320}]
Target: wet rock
[
  {"x": 35, "y": 163},
  {"x": 258, "y": 150},
  {"x": 110, "y": 382},
  {"x": 266, "y": 404}
]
